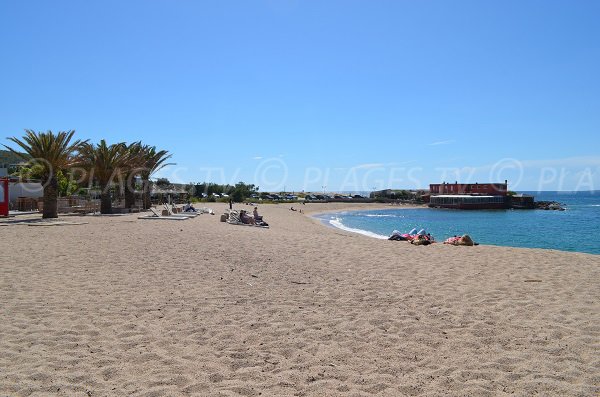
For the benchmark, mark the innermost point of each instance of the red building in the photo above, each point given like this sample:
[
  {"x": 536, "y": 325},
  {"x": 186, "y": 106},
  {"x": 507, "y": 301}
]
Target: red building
[
  {"x": 469, "y": 195},
  {"x": 487, "y": 189},
  {"x": 3, "y": 197}
]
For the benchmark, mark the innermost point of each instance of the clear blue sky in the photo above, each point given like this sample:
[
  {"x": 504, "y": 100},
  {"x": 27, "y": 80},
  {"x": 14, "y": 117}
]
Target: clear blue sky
[{"x": 350, "y": 95}]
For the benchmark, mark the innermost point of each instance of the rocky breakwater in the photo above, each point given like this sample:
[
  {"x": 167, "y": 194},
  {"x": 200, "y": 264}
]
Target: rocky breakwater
[{"x": 549, "y": 206}]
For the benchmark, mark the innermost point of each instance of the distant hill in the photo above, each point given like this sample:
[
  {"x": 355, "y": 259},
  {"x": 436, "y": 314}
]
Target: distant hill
[{"x": 8, "y": 157}]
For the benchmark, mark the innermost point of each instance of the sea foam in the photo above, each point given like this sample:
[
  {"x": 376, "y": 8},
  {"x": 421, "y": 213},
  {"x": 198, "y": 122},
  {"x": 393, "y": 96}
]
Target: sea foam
[
  {"x": 337, "y": 223},
  {"x": 381, "y": 216}
]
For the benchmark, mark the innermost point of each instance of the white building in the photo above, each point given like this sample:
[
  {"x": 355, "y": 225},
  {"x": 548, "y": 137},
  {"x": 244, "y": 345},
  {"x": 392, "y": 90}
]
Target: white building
[{"x": 24, "y": 189}]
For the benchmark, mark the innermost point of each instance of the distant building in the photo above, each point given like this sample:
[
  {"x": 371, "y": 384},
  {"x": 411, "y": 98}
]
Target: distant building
[
  {"x": 18, "y": 190},
  {"x": 522, "y": 201},
  {"x": 469, "y": 195},
  {"x": 493, "y": 189}
]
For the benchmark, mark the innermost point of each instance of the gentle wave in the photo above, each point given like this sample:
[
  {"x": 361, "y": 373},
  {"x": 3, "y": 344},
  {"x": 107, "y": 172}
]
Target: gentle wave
[
  {"x": 380, "y": 216},
  {"x": 337, "y": 223}
]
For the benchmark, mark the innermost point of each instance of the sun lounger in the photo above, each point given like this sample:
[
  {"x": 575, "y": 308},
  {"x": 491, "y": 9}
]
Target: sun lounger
[
  {"x": 187, "y": 214},
  {"x": 179, "y": 215},
  {"x": 156, "y": 215},
  {"x": 56, "y": 223}
]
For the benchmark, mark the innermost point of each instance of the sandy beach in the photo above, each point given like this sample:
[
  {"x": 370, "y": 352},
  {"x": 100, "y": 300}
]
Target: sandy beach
[{"x": 121, "y": 306}]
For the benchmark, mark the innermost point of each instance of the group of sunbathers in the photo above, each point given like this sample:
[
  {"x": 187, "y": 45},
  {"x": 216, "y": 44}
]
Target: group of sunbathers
[
  {"x": 421, "y": 237},
  {"x": 255, "y": 219},
  {"x": 411, "y": 236}
]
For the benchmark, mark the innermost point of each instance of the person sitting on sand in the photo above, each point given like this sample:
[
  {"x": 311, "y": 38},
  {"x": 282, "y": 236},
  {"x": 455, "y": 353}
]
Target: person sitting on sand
[
  {"x": 256, "y": 216},
  {"x": 258, "y": 219},
  {"x": 246, "y": 219},
  {"x": 189, "y": 207}
]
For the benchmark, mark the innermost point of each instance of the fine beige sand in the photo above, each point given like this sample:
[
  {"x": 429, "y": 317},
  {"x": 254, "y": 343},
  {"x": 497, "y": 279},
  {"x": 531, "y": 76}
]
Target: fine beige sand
[{"x": 128, "y": 307}]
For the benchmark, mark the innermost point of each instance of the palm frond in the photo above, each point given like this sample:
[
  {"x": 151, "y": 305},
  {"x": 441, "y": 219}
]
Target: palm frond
[{"x": 53, "y": 151}]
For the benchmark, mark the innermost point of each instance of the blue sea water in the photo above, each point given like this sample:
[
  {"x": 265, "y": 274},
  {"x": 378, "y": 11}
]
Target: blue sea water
[{"x": 576, "y": 229}]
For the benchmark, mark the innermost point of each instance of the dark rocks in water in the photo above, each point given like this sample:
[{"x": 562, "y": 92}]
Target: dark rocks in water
[{"x": 549, "y": 205}]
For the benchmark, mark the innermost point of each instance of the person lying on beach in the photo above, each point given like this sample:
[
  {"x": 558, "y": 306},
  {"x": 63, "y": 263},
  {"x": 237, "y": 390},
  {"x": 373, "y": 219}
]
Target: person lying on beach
[
  {"x": 411, "y": 235},
  {"x": 247, "y": 219},
  {"x": 420, "y": 240},
  {"x": 463, "y": 240},
  {"x": 292, "y": 209},
  {"x": 397, "y": 236},
  {"x": 451, "y": 240}
]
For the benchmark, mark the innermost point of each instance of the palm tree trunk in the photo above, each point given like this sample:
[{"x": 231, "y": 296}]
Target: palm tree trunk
[
  {"x": 51, "y": 198},
  {"x": 105, "y": 200},
  {"x": 129, "y": 192},
  {"x": 146, "y": 194},
  {"x": 129, "y": 198}
]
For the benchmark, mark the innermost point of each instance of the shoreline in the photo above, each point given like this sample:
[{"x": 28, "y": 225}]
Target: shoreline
[
  {"x": 339, "y": 207},
  {"x": 317, "y": 217},
  {"x": 341, "y": 226},
  {"x": 349, "y": 207}
]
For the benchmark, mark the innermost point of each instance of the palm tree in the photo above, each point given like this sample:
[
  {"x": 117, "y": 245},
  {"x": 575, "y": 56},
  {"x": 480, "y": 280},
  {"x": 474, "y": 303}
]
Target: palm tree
[
  {"x": 133, "y": 167},
  {"x": 53, "y": 152},
  {"x": 154, "y": 160},
  {"x": 105, "y": 163}
]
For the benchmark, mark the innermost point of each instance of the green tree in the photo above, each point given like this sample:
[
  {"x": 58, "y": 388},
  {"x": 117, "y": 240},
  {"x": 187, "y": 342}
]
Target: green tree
[
  {"x": 133, "y": 167},
  {"x": 154, "y": 160},
  {"x": 163, "y": 183},
  {"x": 66, "y": 185},
  {"x": 29, "y": 171},
  {"x": 53, "y": 152},
  {"x": 199, "y": 188},
  {"x": 242, "y": 191},
  {"x": 237, "y": 196},
  {"x": 105, "y": 163}
]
